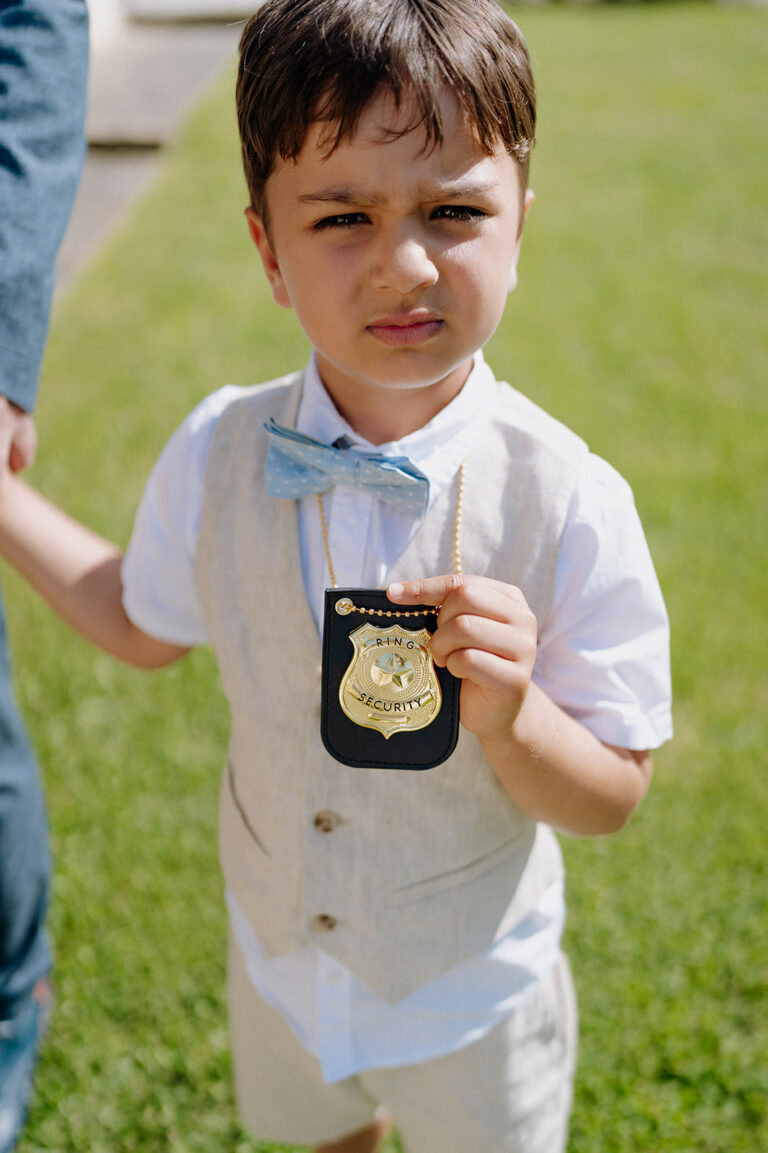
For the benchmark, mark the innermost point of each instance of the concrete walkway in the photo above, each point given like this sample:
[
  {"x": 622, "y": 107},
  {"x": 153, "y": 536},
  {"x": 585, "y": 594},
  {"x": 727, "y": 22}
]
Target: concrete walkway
[{"x": 144, "y": 77}]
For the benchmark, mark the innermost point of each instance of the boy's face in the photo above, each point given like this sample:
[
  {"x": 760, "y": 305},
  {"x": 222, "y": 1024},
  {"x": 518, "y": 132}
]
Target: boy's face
[{"x": 397, "y": 261}]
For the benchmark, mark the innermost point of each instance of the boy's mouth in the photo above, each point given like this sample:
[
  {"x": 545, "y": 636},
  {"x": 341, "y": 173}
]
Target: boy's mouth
[{"x": 405, "y": 327}]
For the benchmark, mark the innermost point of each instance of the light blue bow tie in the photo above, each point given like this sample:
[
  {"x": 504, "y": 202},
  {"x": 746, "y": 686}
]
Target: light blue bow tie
[{"x": 297, "y": 466}]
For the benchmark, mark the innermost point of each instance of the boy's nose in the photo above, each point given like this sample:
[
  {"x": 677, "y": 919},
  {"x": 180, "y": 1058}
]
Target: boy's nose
[{"x": 403, "y": 263}]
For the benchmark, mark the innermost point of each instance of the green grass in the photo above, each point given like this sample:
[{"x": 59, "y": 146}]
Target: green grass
[{"x": 640, "y": 321}]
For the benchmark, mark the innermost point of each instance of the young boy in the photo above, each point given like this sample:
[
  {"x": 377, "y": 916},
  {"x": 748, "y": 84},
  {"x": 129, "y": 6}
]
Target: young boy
[{"x": 395, "y": 935}]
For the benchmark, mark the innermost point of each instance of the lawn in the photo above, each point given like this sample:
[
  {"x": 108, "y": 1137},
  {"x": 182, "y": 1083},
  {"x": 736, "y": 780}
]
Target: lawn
[{"x": 640, "y": 321}]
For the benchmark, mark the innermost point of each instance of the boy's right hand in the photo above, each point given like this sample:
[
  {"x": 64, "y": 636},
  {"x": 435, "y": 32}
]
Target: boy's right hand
[
  {"x": 18, "y": 438},
  {"x": 77, "y": 572}
]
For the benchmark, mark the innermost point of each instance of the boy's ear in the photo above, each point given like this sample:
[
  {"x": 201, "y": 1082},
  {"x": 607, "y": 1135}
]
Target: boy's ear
[
  {"x": 528, "y": 200},
  {"x": 258, "y": 231}
]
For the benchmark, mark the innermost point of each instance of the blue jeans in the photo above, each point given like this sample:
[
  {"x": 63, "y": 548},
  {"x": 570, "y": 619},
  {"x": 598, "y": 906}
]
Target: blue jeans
[
  {"x": 19, "y": 1041},
  {"x": 24, "y": 856},
  {"x": 24, "y": 873}
]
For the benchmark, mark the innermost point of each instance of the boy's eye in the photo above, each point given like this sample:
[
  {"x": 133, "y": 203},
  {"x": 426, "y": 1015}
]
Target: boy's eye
[
  {"x": 461, "y": 213},
  {"x": 341, "y": 220}
]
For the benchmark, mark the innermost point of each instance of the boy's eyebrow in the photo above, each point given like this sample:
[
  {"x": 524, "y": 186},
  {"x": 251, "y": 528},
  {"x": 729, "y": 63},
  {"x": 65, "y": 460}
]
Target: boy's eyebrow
[
  {"x": 340, "y": 196},
  {"x": 353, "y": 196}
]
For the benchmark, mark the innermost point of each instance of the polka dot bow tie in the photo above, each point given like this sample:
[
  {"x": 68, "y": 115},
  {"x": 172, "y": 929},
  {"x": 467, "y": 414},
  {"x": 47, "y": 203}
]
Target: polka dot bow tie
[{"x": 297, "y": 466}]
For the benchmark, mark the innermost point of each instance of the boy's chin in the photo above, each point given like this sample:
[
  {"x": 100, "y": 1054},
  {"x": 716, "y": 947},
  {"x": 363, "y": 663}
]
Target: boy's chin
[
  {"x": 420, "y": 376},
  {"x": 399, "y": 377}
]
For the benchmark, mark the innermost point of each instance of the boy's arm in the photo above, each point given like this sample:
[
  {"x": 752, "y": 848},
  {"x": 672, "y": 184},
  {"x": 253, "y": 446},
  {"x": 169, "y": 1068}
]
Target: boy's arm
[
  {"x": 77, "y": 572},
  {"x": 553, "y": 767}
]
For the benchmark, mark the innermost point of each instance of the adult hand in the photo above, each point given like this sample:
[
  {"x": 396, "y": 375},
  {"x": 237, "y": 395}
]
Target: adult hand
[
  {"x": 18, "y": 438},
  {"x": 486, "y": 635}
]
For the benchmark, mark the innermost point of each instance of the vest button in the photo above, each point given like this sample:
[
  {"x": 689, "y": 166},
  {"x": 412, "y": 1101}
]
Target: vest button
[
  {"x": 325, "y": 821},
  {"x": 323, "y": 923}
]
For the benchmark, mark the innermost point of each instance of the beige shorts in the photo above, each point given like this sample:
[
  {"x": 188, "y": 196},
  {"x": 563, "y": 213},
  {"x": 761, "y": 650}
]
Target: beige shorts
[{"x": 508, "y": 1093}]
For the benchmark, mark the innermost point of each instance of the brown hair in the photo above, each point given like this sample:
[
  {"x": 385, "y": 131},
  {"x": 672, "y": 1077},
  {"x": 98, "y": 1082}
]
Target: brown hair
[{"x": 309, "y": 61}]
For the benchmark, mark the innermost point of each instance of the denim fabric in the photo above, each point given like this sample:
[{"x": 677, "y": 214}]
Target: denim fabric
[
  {"x": 19, "y": 1040},
  {"x": 43, "y": 68},
  {"x": 24, "y": 858}
]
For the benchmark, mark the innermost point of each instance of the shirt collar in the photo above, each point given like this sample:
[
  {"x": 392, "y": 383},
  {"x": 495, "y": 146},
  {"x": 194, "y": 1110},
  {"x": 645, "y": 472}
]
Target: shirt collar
[{"x": 319, "y": 417}]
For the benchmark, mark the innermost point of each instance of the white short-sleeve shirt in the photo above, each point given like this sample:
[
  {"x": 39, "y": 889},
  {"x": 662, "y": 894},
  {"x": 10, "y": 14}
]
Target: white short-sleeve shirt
[{"x": 603, "y": 657}]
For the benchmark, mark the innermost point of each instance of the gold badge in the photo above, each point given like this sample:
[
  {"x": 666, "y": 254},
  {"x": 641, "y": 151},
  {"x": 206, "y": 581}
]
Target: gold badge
[{"x": 391, "y": 684}]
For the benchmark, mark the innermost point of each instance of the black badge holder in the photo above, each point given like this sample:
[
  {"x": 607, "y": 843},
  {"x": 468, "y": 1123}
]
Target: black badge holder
[{"x": 385, "y": 704}]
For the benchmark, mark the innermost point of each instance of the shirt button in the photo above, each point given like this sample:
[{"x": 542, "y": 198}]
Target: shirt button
[
  {"x": 323, "y": 923},
  {"x": 325, "y": 821}
]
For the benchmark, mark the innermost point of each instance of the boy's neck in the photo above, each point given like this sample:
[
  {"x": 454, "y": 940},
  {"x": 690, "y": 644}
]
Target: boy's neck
[{"x": 382, "y": 415}]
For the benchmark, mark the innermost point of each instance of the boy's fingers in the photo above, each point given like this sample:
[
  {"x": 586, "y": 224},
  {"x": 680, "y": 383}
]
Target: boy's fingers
[
  {"x": 431, "y": 591},
  {"x": 489, "y": 671},
  {"x": 475, "y": 633},
  {"x": 463, "y": 594}
]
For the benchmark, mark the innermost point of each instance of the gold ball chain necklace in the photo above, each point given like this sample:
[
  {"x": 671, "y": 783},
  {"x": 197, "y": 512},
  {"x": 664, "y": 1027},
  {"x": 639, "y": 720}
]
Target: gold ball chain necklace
[{"x": 346, "y": 606}]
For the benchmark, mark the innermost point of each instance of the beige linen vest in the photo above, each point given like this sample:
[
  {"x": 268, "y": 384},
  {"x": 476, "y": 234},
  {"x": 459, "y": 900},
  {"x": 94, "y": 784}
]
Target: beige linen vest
[{"x": 399, "y": 874}]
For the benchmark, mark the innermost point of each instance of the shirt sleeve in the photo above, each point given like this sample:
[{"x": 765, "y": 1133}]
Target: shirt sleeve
[
  {"x": 604, "y": 651},
  {"x": 43, "y": 80},
  {"x": 159, "y": 591}
]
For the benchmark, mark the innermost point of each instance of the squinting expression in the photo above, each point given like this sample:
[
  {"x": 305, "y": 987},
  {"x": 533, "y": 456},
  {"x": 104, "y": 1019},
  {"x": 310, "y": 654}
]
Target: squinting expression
[{"x": 397, "y": 260}]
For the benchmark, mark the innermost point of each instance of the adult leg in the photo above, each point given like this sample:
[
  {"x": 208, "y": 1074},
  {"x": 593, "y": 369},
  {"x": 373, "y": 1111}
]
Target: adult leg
[{"x": 24, "y": 879}]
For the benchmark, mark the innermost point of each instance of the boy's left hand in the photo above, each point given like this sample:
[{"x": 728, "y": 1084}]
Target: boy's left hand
[{"x": 486, "y": 635}]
